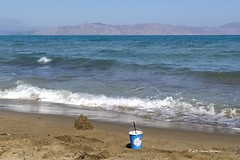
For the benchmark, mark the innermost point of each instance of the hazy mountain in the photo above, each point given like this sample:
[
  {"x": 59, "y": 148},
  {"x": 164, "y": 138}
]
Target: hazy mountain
[
  {"x": 231, "y": 28},
  {"x": 231, "y": 25},
  {"x": 141, "y": 29},
  {"x": 8, "y": 26},
  {"x": 12, "y": 26}
]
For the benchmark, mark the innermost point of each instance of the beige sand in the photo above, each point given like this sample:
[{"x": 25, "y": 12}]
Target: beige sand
[{"x": 34, "y": 136}]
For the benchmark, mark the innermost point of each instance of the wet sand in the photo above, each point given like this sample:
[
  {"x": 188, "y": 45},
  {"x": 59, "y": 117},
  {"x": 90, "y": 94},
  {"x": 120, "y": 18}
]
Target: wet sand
[{"x": 36, "y": 136}]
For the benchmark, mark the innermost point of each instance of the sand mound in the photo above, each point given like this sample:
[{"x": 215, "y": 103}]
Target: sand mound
[{"x": 83, "y": 123}]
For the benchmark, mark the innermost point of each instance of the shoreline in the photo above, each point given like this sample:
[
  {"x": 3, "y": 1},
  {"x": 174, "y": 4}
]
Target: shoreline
[
  {"x": 39, "y": 136},
  {"x": 128, "y": 119}
]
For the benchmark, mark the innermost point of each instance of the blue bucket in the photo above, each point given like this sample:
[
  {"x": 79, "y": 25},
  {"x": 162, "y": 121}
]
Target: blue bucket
[{"x": 136, "y": 138}]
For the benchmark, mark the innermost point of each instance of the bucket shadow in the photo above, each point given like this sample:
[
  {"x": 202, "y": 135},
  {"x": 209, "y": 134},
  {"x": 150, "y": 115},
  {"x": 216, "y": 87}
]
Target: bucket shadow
[{"x": 128, "y": 145}]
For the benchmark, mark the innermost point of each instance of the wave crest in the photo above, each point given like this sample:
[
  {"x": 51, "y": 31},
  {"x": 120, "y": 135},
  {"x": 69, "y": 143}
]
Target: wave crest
[
  {"x": 167, "y": 109},
  {"x": 44, "y": 60}
]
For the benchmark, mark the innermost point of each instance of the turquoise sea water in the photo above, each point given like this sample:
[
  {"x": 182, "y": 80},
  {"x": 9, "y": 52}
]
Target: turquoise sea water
[{"x": 183, "y": 79}]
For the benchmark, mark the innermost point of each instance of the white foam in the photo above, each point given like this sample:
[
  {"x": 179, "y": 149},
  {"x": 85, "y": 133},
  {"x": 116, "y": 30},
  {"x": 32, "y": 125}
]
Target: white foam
[
  {"x": 167, "y": 109},
  {"x": 230, "y": 112},
  {"x": 44, "y": 60},
  {"x": 236, "y": 129}
]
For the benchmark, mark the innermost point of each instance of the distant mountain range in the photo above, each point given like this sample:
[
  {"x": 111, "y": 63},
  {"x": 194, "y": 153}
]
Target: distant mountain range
[
  {"x": 17, "y": 27},
  {"x": 10, "y": 26}
]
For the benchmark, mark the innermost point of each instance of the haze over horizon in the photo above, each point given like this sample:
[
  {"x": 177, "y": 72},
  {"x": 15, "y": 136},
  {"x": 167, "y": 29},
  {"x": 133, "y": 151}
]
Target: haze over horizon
[{"x": 59, "y": 12}]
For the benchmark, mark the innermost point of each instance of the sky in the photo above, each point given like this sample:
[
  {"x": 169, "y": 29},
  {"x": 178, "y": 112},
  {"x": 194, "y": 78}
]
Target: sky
[{"x": 116, "y": 12}]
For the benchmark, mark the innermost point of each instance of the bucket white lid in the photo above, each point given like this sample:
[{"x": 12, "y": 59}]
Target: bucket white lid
[{"x": 137, "y": 132}]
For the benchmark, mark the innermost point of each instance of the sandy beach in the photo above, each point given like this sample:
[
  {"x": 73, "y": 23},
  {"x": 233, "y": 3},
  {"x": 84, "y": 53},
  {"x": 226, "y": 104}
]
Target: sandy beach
[{"x": 35, "y": 136}]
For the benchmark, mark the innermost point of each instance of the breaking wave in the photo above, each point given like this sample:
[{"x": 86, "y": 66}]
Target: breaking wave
[
  {"x": 166, "y": 109},
  {"x": 44, "y": 60}
]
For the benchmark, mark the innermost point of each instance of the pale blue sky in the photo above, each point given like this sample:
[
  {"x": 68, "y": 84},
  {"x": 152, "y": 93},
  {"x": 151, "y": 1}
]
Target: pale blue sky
[{"x": 72, "y": 12}]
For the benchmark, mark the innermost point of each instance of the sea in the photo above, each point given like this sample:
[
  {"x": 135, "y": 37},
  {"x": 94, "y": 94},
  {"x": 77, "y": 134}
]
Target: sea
[{"x": 191, "y": 82}]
